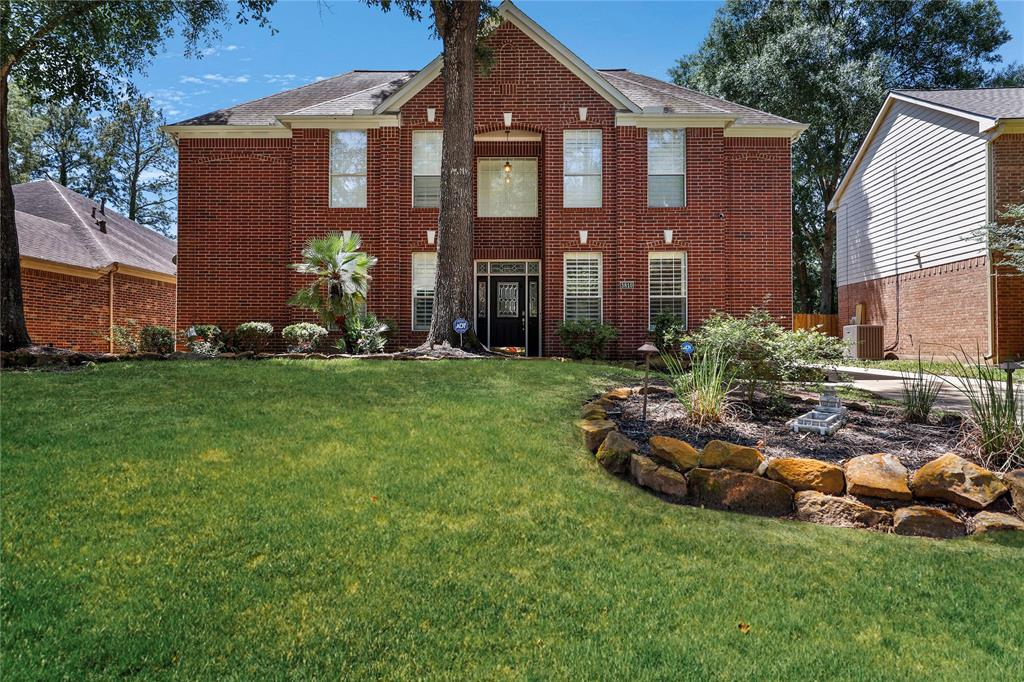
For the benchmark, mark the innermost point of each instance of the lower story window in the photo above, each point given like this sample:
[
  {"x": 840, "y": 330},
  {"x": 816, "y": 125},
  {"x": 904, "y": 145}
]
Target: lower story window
[
  {"x": 666, "y": 285},
  {"x": 582, "y": 286},
  {"x": 424, "y": 274}
]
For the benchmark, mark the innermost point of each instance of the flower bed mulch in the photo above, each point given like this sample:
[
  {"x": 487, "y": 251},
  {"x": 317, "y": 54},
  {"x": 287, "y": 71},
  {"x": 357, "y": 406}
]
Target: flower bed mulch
[{"x": 762, "y": 424}]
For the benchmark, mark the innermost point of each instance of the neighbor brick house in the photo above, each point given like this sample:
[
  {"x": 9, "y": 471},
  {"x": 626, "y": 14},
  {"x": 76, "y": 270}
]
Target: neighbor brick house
[
  {"x": 85, "y": 268},
  {"x": 623, "y": 196},
  {"x": 935, "y": 167}
]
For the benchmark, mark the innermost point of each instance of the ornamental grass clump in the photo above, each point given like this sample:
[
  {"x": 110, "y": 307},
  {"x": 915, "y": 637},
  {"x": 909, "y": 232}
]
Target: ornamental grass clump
[
  {"x": 703, "y": 387},
  {"x": 997, "y": 414},
  {"x": 919, "y": 393}
]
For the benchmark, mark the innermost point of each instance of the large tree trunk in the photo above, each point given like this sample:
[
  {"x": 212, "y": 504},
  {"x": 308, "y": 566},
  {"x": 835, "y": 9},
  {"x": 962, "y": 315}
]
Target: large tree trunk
[
  {"x": 457, "y": 23},
  {"x": 827, "y": 304},
  {"x": 13, "y": 333}
]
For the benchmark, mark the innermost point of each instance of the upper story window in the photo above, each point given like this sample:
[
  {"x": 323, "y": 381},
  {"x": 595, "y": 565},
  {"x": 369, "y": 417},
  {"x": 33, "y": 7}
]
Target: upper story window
[
  {"x": 666, "y": 285},
  {"x": 666, "y": 167},
  {"x": 424, "y": 274},
  {"x": 582, "y": 286},
  {"x": 426, "y": 168},
  {"x": 581, "y": 169},
  {"x": 506, "y": 191},
  {"x": 348, "y": 168}
]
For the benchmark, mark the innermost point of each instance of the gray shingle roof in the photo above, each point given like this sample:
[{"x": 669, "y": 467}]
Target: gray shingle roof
[
  {"x": 350, "y": 91},
  {"x": 361, "y": 90},
  {"x": 987, "y": 102},
  {"x": 56, "y": 224},
  {"x": 645, "y": 91}
]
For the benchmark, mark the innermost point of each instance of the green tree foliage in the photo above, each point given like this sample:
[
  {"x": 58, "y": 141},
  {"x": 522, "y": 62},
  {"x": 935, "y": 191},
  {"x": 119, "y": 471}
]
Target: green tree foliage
[
  {"x": 340, "y": 277},
  {"x": 1006, "y": 238},
  {"x": 26, "y": 123},
  {"x": 828, "y": 63},
  {"x": 84, "y": 53}
]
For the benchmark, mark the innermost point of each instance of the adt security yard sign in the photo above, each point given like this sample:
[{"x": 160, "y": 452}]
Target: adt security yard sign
[
  {"x": 687, "y": 348},
  {"x": 461, "y": 326}
]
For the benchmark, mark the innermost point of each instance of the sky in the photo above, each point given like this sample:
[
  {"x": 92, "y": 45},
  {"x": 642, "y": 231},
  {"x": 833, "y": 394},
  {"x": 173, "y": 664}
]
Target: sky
[{"x": 317, "y": 40}]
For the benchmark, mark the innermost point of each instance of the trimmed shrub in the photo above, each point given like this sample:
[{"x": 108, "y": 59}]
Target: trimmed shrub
[
  {"x": 203, "y": 339},
  {"x": 253, "y": 336},
  {"x": 586, "y": 339},
  {"x": 303, "y": 337},
  {"x": 125, "y": 337},
  {"x": 668, "y": 332},
  {"x": 156, "y": 339}
]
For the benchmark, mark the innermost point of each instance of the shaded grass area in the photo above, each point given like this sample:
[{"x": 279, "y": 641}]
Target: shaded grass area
[{"x": 352, "y": 519}]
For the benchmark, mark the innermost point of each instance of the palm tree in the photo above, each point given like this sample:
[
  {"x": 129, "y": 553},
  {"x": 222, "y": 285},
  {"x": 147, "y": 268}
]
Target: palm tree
[{"x": 341, "y": 276}]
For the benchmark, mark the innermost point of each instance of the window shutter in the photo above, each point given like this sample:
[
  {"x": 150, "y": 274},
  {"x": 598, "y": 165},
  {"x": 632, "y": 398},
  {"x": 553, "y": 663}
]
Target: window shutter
[
  {"x": 424, "y": 276},
  {"x": 666, "y": 285},
  {"x": 581, "y": 169},
  {"x": 583, "y": 286}
]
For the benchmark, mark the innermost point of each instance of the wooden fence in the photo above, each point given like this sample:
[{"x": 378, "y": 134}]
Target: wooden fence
[{"x": 828, "y": 324}]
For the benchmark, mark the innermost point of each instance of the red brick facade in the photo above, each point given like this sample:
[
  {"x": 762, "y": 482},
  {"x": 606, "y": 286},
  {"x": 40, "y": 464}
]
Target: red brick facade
[
  {"x": 247, "y": 206},
  {"x": 946, "y": 308},
  {"x": 68, "y": 311}
]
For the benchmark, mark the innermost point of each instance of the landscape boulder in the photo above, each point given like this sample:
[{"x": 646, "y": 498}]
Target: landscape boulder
[
  {"x": 879, "y": 475},
  {"x": 800, "y": 473},
  {"x": 721, "y": 455},
  {"x": 594, "y": 431},
  {"x": 614, "y": 452},
  {"x": 1015, "y": 482},
  {"x": 927, "y": 522},
  {"x": 952, "y": 478},
  {"x": 593, "y": 411},
  {"x": 653, "y": 389},
  {"x": 737, "y": 491},
  {"x": 817, "y": 507},
  {"x": 618, "y": 394},
  {"x": 680, "y": 454},
  {"x": 986, "y": 522},
  {"x": 650, "y": 474}
]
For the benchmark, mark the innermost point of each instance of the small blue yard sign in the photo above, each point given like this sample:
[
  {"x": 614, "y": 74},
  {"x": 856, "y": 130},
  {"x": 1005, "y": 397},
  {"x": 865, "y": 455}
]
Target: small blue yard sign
[
  {"x": 460, "y": 326},
  {"x": 687, "y": 347}
]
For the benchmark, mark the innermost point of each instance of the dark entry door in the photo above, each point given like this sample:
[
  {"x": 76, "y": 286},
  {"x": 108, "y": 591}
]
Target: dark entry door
[{"x": 508, "y": 312}]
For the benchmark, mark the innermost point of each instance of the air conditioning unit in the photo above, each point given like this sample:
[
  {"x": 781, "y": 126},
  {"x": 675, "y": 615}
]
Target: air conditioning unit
[{"x": 863, "y": 341}]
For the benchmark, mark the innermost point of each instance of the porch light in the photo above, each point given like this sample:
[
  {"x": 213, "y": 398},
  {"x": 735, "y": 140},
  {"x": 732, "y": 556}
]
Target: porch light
[
  {"x": 431, "y": 236},
  {"x": 583, "y": 113},
  {"x": 668, "y": 236},
  {"x": 431, "y": 114},
  {"x": 507, "y": 116},
  {"x": 583, "y": 236},
  {"x": 508, "y": 172}
]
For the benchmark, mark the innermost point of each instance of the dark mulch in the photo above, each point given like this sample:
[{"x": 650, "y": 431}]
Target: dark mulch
[{"x": 879, "y": 430}]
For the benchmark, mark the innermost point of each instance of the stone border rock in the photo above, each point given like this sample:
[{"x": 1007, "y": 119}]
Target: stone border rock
[{"x": 873, "y": 491}]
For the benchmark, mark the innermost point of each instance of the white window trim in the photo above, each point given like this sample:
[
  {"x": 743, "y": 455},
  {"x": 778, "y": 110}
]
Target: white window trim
[
  {"x": 600, "y": 280},
  {"x": 599, "y": 174},
  {"x": 666, "y": 255},
  {"x": 412, "y": 198},
  {"x": 686, "y": 185},
  {"x": 365, "y": 174},
  {"x": 412, "y": 283}
]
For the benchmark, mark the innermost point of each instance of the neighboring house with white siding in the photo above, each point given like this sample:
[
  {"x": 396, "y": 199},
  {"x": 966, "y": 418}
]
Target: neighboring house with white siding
[{"x": 934, "y": 168}]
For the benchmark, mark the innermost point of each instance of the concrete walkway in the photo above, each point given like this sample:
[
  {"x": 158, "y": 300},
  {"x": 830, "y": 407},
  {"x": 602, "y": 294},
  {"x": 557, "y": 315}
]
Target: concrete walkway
[{"x": 886, "y": 383}]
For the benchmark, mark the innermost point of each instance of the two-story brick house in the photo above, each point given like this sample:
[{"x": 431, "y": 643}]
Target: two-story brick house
[{"x": 600, "y": 194}]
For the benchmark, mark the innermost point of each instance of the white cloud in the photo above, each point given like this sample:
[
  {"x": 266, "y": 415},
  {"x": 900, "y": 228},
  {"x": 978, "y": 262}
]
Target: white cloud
[
  {"x": 280, "y": 78},
  {"x": 191, "y": 79},
  {"x": 231, "y": 48},
  {"x": 319, "y": 78},
  {"x": 223, "y": 80}
]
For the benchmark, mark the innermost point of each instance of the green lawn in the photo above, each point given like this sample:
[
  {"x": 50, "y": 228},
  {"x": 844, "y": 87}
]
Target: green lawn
[
  {"x": 947, "y": 367},
  {"x": 348, "y": 520}
]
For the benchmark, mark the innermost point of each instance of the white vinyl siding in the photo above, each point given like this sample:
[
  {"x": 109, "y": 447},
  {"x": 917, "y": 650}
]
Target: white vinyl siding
[
  {"x": 424, "y": 275},
  {"x": 581, "y": 169},
  {"x": 666, "y": 168},
  {"x": 348, "y": 169},
  {"x": 426, "y": 169},
  {"x": 497, "y": 198},
  {"x": 582, "y": 286},
  {"x": 666, "y": 285},
  {"x": 921, "y": 189}
]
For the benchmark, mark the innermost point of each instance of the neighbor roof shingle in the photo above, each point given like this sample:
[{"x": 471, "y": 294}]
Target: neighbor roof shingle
[
  {"x": 987, "y": 102},
  {"x": 363, "y": 90},
  {"x": 56, "y": 224}
]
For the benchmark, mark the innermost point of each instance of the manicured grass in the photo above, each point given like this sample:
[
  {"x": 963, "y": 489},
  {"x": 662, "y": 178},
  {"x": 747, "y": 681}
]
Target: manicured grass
[
  {"x": 348, "y": 520},
  {"x": 930, "y": 366}
]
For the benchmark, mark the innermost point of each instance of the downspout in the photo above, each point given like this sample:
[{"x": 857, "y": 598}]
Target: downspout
[
  {"x": 990, "y": 289},
  {"x": 110, "y": 272}
]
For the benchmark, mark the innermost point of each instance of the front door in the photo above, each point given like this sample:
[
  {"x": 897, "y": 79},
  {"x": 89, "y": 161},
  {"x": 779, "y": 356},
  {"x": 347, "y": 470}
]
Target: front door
[{"x": 508, "y": 312}]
